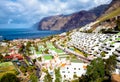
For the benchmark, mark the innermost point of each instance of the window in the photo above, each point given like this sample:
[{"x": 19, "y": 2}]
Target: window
[
  {"x": 78, "y": 68},
  {"x": 64, "y": 76},
  {"x": 63, "y": 71},
  {"x": 74, "y": 68},
  {"x": 67, "y": 67}
]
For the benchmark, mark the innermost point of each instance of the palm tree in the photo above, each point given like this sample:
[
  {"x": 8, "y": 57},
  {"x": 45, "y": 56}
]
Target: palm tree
[{"x": 58, "y": 77}]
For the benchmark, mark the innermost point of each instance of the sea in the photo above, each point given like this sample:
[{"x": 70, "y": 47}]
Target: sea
[{"x": 11, "y": 34}]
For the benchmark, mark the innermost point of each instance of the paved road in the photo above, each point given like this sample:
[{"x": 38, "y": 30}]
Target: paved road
[{"x": 73, "y": 52}]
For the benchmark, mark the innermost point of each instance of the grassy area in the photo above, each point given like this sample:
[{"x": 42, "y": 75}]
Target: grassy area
[
  {"x": 112, "y": 43},
  {"x": 47, "y": 57},
  {"x": 51, "y": 46},
  {"x": 118, "y": 33},
  {"x": 63, "y": 56},
  {"x": 39, "y": 52},
  {"x": 78, "y": 51},
  {"x": 6, "y": 64},
  {"x": 76, "y": 61},
  {"x": 58, "y": 50},
  {"x": 110, "y": 15},
  {"x": 103, "y": 18},
  {"x": 3, "y": 49},
  {"x": 118, "y": 39},
  {"x": 7, "y": 67}
]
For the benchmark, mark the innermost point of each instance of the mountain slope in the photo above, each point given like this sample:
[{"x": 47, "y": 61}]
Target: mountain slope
[
  {"x": 113, "y": 6},
  {"x": 112, "y": 10},
  {"x": 69, "y": 22},
  {"x": 110, "y": 19}
]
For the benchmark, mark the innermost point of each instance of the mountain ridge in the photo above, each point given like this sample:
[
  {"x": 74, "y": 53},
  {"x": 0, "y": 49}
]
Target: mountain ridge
[{"x": 71, "y": 21}]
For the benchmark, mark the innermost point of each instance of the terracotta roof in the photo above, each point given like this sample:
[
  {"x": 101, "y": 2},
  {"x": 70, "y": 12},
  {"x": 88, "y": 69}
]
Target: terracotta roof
[{"x": 18, "y": 56}]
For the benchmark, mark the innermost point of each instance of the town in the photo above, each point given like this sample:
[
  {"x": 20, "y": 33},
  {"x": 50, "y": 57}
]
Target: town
[{"x": 64, "y": 57}]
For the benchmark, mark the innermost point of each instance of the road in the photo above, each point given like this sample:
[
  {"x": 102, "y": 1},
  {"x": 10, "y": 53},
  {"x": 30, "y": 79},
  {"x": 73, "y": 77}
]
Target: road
[{"x": 84, "y": 59}]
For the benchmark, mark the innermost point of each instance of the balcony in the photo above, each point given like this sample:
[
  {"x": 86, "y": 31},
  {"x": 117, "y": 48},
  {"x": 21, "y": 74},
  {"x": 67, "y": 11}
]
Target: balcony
[
  {"x": 118, "y": 49},
  {"x": 116, "y": 53},
  {"x": 118, "y": 59},
  {"x": 112, "y": 46},
  {"x": 108, "y": 49}
]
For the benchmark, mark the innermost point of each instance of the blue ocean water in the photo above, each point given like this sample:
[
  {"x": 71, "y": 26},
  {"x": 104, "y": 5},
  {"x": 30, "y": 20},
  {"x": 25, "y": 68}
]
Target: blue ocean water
[{"x": 11, "y": 34}]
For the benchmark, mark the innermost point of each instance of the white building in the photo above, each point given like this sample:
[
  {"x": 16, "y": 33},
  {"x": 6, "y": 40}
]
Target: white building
[{"x": 68, "y": 71}]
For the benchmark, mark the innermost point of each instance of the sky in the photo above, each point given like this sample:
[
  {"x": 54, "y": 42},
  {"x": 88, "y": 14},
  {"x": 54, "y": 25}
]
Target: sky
[{"x": 32, "y": 11}]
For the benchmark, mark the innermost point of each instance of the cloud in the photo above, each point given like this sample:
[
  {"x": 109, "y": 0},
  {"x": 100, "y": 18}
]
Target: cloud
[
  {"x": 101, "y": 1},
  {"x": 31, "y": 11}
]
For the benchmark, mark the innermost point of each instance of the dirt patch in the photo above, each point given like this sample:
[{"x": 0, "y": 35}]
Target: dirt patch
[{"x": 115, "y": 78}]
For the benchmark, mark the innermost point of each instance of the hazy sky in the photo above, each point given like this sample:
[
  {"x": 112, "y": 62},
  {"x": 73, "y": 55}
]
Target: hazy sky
[{"x": 31, "y": 11}]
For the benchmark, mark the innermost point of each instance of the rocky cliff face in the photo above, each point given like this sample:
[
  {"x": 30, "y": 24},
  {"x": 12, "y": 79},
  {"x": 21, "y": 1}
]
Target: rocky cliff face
[
  {"x": 53, "y": 22},
  {"x": 79, "y": 19},
  {"x": 69, "y": 22}
]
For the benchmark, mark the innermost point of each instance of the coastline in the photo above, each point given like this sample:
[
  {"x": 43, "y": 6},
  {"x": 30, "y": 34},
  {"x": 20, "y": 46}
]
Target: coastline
[{"x": 25, "y": 34}]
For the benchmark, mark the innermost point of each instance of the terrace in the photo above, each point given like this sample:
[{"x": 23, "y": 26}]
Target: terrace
[{"x": 87, "y": 42}]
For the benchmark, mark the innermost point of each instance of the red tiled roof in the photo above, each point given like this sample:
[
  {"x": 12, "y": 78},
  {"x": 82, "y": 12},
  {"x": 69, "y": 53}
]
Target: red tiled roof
[
  {"x": 18, "y": 56},
  {"x": 8, "y": 57}
]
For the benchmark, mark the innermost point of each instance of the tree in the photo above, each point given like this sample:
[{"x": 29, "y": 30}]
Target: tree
[
  {"x": 21, "y": 49},
  {"x": 34, "y": 60},
  {"x": 30, "y": 68},
  {"x": 118, "y": 23},
  {"x": 46, "y": 51},
  {"x": 36, "y": 48},
  {"x": 84, "y": 78},
  {"x": 28, "y": 44},
  {"x": 95, "y": 71},
  {"x": 27, "y": 48},
  {"x": 23, "y": 69},
  {"x": 103, "y": 54},
  {"x": 58, "y": 77},
  {"x": 110, "y": 64},
  {"x": 47, "y": 77},
  {"x": 9, "y": 77},
  {"x": 40, "y": 59},
  {"x": 75, "y": 78},
  {"x": 33, "y": 78},
  {"x": 99, "y": 70},
  {"x": 68, "y": 57},
  {"x": 1, "y": 58}
]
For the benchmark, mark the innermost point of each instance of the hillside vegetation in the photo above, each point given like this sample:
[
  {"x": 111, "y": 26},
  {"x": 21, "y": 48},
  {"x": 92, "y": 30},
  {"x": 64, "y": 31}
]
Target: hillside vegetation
[{"x": 110, "y": 15}]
